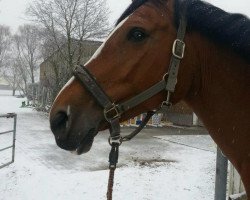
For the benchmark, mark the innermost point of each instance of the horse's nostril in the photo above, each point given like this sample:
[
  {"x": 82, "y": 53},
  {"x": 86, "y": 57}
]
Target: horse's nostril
[{"x": 59, "y": 123}]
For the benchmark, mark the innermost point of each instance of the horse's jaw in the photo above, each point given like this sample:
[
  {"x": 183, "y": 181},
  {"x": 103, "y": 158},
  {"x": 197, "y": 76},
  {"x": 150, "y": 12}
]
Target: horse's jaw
[{"x": 86, "y": 144}]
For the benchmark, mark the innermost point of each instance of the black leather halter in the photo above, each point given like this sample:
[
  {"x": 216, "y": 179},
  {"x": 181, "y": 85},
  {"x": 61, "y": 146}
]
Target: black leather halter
[{"x": 113, "y": 111}]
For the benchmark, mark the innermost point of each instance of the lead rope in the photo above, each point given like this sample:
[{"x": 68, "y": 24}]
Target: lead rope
[
  {"x": 114, "y": 153},
  {"x": 113, "y": 159},
  {"x": 110, "y": 184}
]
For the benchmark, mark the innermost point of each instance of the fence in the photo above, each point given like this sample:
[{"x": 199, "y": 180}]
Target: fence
[
  {"x": 236, "y": 188},
  {"x": 9, "y": 116}
]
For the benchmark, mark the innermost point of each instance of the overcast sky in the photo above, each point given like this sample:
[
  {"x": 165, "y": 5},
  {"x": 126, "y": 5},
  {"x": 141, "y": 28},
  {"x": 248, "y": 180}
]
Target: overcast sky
[{"x": 12, "y": 11}]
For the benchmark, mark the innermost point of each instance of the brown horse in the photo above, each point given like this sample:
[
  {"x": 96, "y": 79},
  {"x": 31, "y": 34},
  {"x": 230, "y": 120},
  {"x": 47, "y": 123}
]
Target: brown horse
[{"x": 213, "y": 79}]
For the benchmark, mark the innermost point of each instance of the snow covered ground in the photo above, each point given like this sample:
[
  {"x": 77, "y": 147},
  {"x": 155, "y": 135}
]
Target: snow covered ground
[{"x": 153, "y": 166}]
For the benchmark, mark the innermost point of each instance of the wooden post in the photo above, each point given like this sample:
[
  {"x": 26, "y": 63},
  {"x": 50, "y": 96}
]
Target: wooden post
[{"x": 236, "y": 187}]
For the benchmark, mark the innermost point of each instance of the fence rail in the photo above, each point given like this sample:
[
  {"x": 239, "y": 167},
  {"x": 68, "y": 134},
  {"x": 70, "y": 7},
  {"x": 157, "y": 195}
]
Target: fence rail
[{"x": 12, "y": 116}]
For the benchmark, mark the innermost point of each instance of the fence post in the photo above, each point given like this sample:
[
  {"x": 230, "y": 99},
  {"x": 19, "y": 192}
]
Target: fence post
[
  {"x": 221, "y": 176},
  {"x": 14, "y": 138},
  {"x": 10, "y": 115}
]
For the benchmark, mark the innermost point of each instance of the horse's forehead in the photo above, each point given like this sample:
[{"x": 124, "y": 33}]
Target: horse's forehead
[{"x": 148, "y": 14}]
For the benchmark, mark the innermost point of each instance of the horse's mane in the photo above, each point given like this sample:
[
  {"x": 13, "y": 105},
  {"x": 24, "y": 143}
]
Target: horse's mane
[
  {"x": 135, "y": 5},
  {"x": 130, "y": 9},
  {"x": 231, "y": 30}
]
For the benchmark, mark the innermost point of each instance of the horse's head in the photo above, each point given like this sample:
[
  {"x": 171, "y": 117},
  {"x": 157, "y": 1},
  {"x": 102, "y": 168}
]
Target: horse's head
[{"x": 135, "y": 56}]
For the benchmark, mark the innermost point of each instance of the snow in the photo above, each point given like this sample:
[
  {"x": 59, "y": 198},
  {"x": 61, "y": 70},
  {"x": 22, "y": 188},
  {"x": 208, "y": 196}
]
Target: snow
[
  {"x": 237, "y": 196},
  {"x": 153, "y": 166}
]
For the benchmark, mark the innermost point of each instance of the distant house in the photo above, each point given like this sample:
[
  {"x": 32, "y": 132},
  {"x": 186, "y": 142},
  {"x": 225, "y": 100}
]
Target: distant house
[
  {"x": 182, "y": 114},
  {"x": 47, "y": 67},
  {"x": 55, "y": 71},
  {"x": 4, "y": 85}
]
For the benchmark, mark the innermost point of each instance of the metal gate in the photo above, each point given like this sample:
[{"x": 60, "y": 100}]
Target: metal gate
[{"x": 13, "y": 131}]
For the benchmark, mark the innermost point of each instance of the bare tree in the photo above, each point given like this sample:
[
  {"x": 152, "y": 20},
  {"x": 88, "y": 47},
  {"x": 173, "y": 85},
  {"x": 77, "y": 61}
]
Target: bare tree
[
  {"x": 24, "y": 59},
  {"x": 19, "y": 62},
  {"x": 28, "y": 39},
  {"x": 57, "y": 72},
  {"x": 67, "y": 24},
  {"x": 12, "y": 76},
  {"x": 5, "y": 38},
  {"x": 49, "y": 44},
  {"x": 76, "y": 20},
  {"x": 15, "y": 69}
]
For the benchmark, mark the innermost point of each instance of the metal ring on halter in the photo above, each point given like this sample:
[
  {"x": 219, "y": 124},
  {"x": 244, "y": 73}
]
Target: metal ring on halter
[
  {"x": 167, "y": 102},
  {"x": 164, "y": 77},
  {"x": 117, "y": 140}
]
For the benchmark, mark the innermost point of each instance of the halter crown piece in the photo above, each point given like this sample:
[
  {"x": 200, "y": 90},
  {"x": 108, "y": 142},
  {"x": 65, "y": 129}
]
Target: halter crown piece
[{"x": 112, "y": 112}]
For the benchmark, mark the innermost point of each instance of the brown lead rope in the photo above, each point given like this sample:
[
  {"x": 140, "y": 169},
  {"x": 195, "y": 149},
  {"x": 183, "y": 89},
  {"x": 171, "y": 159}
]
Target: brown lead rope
[
  {"x": 114, "y": 153},
  {"x": 110, "y": 184},
  {"x": 113, "y": 159}
]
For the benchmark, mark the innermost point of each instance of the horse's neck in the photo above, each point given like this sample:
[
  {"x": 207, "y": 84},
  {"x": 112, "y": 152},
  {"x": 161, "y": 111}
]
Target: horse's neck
[{"x": 221, "y": 96}]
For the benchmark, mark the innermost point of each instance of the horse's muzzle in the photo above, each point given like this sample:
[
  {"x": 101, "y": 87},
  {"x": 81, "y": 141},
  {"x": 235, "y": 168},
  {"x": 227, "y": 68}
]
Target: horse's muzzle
[
  {"x": 58, "y": 125},
  {"x": 69, "y": 138}
]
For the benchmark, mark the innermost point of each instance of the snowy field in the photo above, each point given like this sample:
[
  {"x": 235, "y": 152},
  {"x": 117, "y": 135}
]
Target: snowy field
[{"x": 153, "y": 166}]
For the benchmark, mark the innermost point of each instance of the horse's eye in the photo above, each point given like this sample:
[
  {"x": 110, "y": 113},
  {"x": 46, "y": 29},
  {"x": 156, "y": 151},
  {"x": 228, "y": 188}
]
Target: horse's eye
[{"x": 137, "y": 35}]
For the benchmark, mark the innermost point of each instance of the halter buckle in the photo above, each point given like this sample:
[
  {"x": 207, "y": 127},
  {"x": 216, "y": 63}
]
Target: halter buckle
[
  {"x": 111, "y": 113},
  {"x": 178, "y": 49}
]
